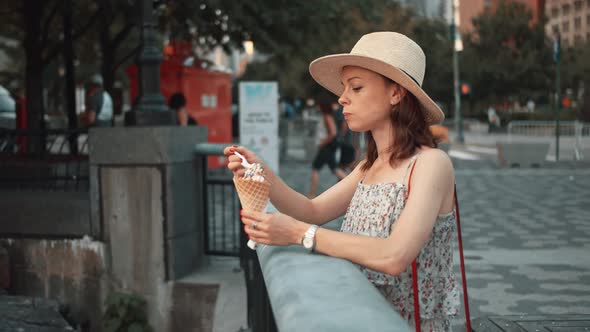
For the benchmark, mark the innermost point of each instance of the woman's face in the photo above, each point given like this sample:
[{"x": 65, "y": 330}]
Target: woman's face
[{"x": 367, "y": 99}]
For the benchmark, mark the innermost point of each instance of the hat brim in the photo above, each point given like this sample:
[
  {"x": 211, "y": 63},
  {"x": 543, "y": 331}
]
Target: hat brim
[{"x": 326, "y": 72}]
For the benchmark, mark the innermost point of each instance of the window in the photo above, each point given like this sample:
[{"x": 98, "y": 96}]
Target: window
[
  {"x": 565, "y": 27},
  {"x": 555, "y": 28},
  {"x": 565, "y": 42},
  {"x": 578, "y": 5},
  {"x": 554, "y": 11},
  {"x": 565, "y": 9},
  {"x": 588, "y": 19},
  {"x": 577, "y": 23},
  {"x": 577, "y": 40}
]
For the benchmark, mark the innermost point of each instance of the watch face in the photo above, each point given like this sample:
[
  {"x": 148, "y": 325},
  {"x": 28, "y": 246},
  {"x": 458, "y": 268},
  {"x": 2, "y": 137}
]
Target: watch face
[{"x": 308, "y": 242}]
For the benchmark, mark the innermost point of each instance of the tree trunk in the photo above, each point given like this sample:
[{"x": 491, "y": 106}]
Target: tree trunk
[
  {"x": 32, "y": 15},
  {"x": 68, "y": 57}
]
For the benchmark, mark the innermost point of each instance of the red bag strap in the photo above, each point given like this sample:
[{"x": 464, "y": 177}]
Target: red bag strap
[
  {"x": 462, "y": 261},
  {"x": 414, "y": 266}
]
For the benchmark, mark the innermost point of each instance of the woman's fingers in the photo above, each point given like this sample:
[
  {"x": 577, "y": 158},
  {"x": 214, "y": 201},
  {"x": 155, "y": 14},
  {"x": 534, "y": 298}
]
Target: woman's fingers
[{"x": 249, "y": 222}]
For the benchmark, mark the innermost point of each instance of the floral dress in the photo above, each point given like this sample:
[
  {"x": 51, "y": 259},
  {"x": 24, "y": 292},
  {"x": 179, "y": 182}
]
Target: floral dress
[{"x": 373, "y": 211}]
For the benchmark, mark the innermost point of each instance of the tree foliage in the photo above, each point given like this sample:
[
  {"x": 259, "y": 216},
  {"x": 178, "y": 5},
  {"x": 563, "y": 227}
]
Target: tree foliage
[
  {"x": 506, "y": 56},
  {"x": 339, "y": 30}
]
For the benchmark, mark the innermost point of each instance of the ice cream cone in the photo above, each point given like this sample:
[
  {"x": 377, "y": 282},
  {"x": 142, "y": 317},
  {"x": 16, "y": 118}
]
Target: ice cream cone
[{"x": 253, "y": 196}]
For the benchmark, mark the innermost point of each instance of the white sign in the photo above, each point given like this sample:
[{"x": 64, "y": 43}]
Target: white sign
[{"x": 259, "y": 120}]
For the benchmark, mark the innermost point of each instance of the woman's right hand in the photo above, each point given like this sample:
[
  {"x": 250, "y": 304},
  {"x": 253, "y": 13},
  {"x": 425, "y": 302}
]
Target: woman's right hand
[{"x": 234, "y": 163}]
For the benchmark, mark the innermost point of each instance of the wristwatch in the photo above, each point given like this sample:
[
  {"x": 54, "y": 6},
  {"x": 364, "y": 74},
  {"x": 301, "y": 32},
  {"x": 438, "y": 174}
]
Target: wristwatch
[{"x": 308, "y": 239}]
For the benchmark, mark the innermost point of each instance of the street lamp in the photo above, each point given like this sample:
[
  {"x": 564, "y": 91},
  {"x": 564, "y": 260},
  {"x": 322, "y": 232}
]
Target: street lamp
[
  {"x": 457, "y": 47},
  {"x": 150, "y": 108},
  {"x": 556, "y": 59}
]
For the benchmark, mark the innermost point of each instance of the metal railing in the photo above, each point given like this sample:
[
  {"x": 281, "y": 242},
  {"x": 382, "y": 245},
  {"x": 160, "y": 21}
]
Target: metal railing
[
  {"x": 576, "y": 131},
  {"x": 54, "y": 160},
  {"x": 221, "y": 210},
  {"x": 547, "y": 128}
]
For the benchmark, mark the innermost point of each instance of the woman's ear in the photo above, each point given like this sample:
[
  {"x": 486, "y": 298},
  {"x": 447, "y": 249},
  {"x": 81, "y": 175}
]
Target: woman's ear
[{"x": 397, "y": 94}]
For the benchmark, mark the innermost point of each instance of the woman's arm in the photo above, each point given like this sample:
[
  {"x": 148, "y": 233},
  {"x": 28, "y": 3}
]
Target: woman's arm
[
  {"x": 431, "y": 188},
  {"x": 327, "y": 206}
]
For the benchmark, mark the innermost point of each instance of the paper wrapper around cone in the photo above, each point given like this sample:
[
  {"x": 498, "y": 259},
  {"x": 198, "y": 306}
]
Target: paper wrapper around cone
[{"x": 253, "y": 196}]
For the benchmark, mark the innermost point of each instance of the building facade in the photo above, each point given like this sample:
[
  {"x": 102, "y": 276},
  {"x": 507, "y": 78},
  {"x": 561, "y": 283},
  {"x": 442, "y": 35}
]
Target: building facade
[{"x": 571, "y": 18}]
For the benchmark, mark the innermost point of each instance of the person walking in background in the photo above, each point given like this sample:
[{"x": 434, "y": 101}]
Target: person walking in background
[
  {"x": 326, "y": 153},
  {"x": 177, "y": 103},
  {"x": 348, "y": 153},
  {"x": 99, "y": 105},
  {"x": 398, "y": 203}
]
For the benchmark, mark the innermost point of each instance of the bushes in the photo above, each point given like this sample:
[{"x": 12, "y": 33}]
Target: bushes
[{"x": 125, "y": 313}]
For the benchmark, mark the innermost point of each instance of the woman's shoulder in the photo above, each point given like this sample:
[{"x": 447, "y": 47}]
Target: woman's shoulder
[{"x": 433, "y": 158}]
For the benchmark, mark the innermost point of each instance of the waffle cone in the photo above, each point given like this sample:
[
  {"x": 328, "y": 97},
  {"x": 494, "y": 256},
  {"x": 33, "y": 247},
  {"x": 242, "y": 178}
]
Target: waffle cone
[{"x": 253, "y": 194}]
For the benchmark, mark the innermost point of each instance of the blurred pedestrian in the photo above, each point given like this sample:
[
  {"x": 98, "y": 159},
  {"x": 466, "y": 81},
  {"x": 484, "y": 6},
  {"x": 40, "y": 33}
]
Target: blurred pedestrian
[
  {"x": 177, "y": 104},
  {"x": 327, "y": 144},
  {"x": 493, "y": 119},
  {"x": 348, "y": 153},
  {"x": 99, "y": 105}
]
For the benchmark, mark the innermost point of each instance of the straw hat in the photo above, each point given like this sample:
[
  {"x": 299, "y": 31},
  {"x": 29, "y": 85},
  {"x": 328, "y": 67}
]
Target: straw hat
[{"x": 390, "y": 54}]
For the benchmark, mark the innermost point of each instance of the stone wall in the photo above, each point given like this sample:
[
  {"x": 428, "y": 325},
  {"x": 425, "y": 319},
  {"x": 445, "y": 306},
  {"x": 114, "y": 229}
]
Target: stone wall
[{"x": 70, "y": 271}]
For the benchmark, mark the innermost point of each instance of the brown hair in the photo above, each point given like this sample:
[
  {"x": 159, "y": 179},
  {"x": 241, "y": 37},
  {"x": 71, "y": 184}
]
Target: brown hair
[{"x": 410, "y": 132}]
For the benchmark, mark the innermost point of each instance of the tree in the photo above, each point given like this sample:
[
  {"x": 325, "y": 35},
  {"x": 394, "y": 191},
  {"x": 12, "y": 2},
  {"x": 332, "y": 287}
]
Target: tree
[
  {"x": 337, "y": 31},
  {"x": 506, "y": 56}
]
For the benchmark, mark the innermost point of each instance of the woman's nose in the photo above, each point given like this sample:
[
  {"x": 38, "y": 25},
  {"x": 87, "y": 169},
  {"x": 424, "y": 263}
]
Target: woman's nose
[{"x": 342, "y": 100}]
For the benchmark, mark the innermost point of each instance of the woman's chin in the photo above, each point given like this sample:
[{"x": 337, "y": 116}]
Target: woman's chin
[{"x": 355, "y": 127}]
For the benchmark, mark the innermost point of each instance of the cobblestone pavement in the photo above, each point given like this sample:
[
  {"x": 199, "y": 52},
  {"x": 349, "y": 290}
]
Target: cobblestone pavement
[
  {"x": 526, "y": 235},
  {"x": 527, "y": 240}
]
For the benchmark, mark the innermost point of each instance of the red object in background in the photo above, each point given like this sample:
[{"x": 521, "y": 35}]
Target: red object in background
[
  {"x": 208, "y": 93},
  {"x": 566, "y": 102},
  {"x": 21, "y": 121}
]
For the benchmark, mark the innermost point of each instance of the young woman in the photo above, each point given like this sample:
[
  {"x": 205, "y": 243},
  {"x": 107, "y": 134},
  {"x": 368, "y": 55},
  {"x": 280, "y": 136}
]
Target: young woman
[{"x": 398, "y": 202}]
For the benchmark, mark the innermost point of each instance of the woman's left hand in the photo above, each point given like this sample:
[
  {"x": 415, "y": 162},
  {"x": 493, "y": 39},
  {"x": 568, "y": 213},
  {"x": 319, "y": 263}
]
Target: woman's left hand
[{"x": 275, "y": 229}]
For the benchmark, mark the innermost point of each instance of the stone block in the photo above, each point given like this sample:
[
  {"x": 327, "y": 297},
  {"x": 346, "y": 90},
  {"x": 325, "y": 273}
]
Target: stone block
[
  {"x": 144, "y": 145},
  {"x": 183, "y": 255},
  {"x": 192, "y": 307},
  {"x": 522, "y": 154},
  {"x": 181, "y": 198}
]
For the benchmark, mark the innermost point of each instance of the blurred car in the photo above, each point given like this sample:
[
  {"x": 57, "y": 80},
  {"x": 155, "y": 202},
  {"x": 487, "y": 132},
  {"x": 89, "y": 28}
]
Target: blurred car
[{"x": 7, "y": 109}]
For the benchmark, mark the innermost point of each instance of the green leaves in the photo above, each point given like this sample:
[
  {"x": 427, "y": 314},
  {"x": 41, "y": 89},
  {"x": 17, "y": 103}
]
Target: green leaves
[{"x": 125, "y": 313}]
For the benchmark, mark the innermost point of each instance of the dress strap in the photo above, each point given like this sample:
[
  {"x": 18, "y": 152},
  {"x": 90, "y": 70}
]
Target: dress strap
[{"x": 409, "y": 172}]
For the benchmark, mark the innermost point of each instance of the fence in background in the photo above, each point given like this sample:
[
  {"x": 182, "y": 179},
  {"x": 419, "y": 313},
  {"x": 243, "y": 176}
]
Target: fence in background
[
  {"x": 578, "y": 131},
  {"x": 44, "y": 159}
]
